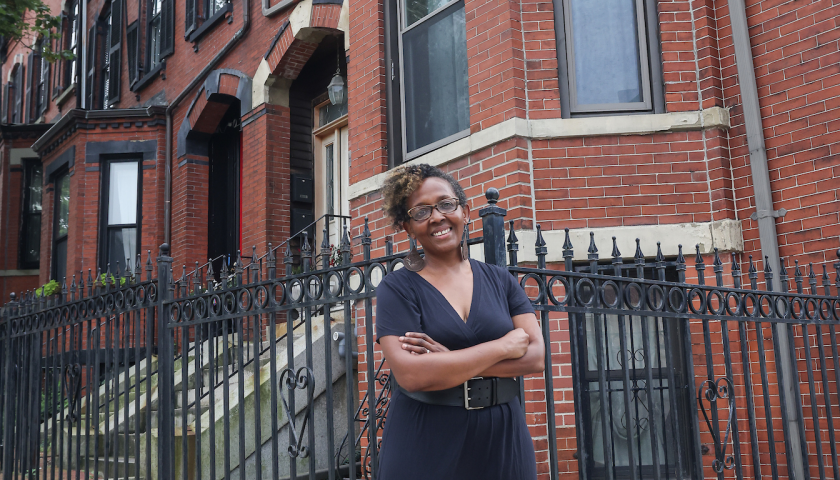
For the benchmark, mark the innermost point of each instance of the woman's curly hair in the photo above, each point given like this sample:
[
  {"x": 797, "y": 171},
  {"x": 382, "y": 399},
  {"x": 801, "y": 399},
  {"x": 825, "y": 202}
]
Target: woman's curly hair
[{"x": 403, "y": 181}]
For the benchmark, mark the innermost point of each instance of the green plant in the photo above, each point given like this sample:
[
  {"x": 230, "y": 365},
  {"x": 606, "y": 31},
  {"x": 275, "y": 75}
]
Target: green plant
[
  {"x": 25, "y": 21},
  {"x": 50, "y": 288},
  {"x": 103, "y": 278}
]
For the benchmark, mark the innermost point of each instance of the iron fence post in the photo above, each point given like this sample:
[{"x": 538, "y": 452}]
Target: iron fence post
[
  {"x": 166, "y": 425},
  {"x": 7, "y": 429},
  {"x": 493, "y": 226}
]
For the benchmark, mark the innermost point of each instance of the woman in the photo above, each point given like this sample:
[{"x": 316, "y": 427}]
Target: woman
[{"x": 441, "y": 321}]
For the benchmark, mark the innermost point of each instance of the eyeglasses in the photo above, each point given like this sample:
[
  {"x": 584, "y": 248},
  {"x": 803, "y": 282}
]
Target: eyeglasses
[{"x": 423, "y": 212}]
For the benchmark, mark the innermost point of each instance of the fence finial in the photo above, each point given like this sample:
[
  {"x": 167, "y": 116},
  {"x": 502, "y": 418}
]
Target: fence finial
[
  {"x": 639, "y": 256},
  {"x": 753, "y": 274},
  {"x": 812, "y": 279},
  {"x": 512, "y": 246},
  {"x": 540, "y": 248},
  {"x": 568, "y": 248},
  {"x": 389, "y": 246},
  {"x": 797, "y": 276},
  {"x": 366, "y": 233},
  {"x": 736, "y": 271},
  {"x": 149, "y": 266},
  {"x": 118, "y": 273},
  {"x": 210, "y": 275},
  {"x": 783, "y": 275},
  {"x": 492, "y": 195},
  {"x": 593, "y": 249},
  {"x": 615, "y": 253},
  {"x": 768, "y": 274},
  {"x": 826, "y": 281},
  {"x": 346, "y": 254}
]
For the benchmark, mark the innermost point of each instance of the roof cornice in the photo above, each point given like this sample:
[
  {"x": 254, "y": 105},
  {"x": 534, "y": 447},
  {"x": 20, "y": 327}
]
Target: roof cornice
[{"x": 88, "y": 119}]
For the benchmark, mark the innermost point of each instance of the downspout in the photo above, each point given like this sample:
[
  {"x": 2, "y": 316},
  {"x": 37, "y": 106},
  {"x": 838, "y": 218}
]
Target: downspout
[
  {"x": 167, "y": 192},
  {"x": 764, "y": 214},
  {"x": 83, "y": 63}
]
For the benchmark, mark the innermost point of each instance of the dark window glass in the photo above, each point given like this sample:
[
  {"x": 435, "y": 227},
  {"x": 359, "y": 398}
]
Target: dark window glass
[
  {"x": 61, "y": 226},
  {"x": 30, "y": 242},
  {"x": 131, "y": 51},
  {"x": 634, "y": 422},
  {"x": 17, "y": 106},
  {"x": 71, "y": 38},
  {"x": 611, "y": 61},
  {"x": 120, "y": 214},
  {"x": 42, "y": 81},
  {"x": 105, "y": 74},
  {"x": 155, "y": 25},
  {"x": 330, "y": 112},
  {"x": 434, "y": 73}
]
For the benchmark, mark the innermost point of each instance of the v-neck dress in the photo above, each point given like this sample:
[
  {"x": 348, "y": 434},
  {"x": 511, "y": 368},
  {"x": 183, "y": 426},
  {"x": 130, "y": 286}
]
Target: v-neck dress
[{"x": 424, "y": 441}]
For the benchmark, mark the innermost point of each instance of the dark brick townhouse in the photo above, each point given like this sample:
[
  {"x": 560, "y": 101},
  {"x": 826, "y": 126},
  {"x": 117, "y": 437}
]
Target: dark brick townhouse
[{"x": 208, "y": 125}]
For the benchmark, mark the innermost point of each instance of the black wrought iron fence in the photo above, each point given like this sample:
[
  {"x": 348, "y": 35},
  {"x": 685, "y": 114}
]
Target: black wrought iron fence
[{"x": 253, "y": 374}]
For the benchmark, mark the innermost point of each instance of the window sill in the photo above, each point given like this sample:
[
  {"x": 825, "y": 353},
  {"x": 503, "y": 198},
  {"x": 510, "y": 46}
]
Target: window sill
[
  {"x": 148, "y": 78},
  {"x": 67, "y": 93},
  {"x": 208, "y": 24}
]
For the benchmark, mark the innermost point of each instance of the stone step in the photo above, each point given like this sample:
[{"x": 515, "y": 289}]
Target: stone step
[{"x": 116, "y": 468}]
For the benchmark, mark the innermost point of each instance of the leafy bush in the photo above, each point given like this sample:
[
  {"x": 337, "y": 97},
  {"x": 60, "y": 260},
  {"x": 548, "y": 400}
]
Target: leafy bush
[{"x": 50, "y": 288}]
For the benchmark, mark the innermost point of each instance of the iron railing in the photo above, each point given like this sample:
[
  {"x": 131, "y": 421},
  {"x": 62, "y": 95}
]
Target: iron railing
[{"x": 198, "y": 377}]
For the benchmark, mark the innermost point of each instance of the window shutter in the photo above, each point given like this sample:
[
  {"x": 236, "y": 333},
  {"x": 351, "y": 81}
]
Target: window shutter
[
  {"x": 17, "y": 107},
  {"x": 167, "y": 27},
  {"x": 131, "y": 51},
  {"x": 4, "y": 105},
  {"x": 45, "y": 88},
  {"x": 190, "y": 15},
  {"x": 115, "y": 53},
  {"x": 90, "y": 91},
  {"x": 26, "y": 101},
  {"x": 35, "y": 95}
]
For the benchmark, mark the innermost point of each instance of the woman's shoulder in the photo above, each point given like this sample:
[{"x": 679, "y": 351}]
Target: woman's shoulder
[
  {"x": 399, "y": 280},
  {"x": 495, "y": 272}
]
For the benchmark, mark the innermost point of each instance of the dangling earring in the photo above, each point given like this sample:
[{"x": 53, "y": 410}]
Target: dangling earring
[
  {"x": 413, "y": 262},
  {"x": 465, "y": 247}
]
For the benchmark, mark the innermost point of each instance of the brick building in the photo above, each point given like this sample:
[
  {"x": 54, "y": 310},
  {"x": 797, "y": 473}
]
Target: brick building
[
  {"x": 174, "y": 120},
  {"x": 207, "y": 125}
]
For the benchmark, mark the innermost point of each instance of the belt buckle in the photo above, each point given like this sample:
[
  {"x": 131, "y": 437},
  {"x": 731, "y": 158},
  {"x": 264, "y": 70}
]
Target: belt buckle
[{"x": 467, "y": 394}]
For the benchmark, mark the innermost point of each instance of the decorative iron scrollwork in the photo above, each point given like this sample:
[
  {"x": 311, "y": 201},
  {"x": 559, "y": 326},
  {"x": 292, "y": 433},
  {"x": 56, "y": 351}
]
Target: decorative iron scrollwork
[
  {"x": 304, "y": 378},
  {"x": 721, "y": 389},
  {"x": 73, "y": 384}
]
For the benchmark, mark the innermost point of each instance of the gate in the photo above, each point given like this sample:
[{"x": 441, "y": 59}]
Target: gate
[{"x": 254, "y": 371}]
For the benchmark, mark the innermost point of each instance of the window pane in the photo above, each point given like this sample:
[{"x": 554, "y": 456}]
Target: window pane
[
  {"x": 155, "y": 41},
  {"x": 417, "y": 9},
  {"x": 122, "y": 245},
  {"x": 31, "y": 248},
  {"x": 34, "y": 187},
  {"x": 435, "y": 66},
  {"x": 606, "y": 51},
  {"x": 62, "y": 189},
  {"x": 330, "y": 112},
  {"x": 60, "y": 256},
  {"x": 122, "y": 194},
  {"x": 330, "y": 171}
]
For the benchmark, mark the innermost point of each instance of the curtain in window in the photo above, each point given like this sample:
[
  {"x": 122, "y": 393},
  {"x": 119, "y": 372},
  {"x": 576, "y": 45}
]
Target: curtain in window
[
  {"x": 435, "y": 74},
  {"x": 122, "y": 213},
  {"x": 605, "y": 36}
]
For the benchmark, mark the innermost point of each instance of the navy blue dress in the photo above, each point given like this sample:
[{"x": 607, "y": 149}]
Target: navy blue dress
[{"x": 423, "y": 441}]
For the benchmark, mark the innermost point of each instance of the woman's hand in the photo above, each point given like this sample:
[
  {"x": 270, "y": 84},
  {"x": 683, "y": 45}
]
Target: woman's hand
[
  {"x": 420, "y": 343},
  {"x": 516, "y": 343}
]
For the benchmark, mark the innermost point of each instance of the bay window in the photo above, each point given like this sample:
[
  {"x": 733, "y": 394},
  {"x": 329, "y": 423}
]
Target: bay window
[
  {"x": 120, "y": 210},
  {"x": 428, "y": 97}
]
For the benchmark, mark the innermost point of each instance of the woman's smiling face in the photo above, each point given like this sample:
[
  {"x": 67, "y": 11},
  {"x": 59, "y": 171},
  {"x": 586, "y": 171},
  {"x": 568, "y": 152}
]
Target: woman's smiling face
[{"x": 440, "y": 234}]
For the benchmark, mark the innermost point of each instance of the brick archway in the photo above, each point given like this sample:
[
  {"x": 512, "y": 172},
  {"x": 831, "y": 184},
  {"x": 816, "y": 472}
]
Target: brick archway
[
  {"x": 299, "y": 36},
  {"x": 208, "y": 107}
]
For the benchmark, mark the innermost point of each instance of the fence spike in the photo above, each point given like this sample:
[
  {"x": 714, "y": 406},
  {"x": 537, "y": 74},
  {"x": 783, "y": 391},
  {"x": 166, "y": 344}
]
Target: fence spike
[
  {"x": 812, "y": 279},
  {"x": 81, "y": 284},
  {"x": 593, "y": 249},
  {"x": 118, "y": 273},
  {"x": 680, "y": 264},
  {"x": 210, "y": 275},
  {"x": 346, "y": 254},
  {"x": 797, "y": 276},
  {"x": 90, "y": 283},
  {"x": 768, "y": 274},
  {"x": 366, "y": 233},
  {"x": 512, "y": 246},
  {"x": 196, "y": 278},
  {"x": 639, "y": 256},
  {"x": 752, "y": 273},
  {"x": 736, "y": 271},
  {"x": 717, "y": 267},
  {"x": 325, "y": 243},
  {"x": 389, "y": 245},
  {"x": 540, "y": 248},
  {"x": 700, "y": 266},
  {"x": 149, "y": 266},
  {"x": 659, "y": 257},
  {"x": 615, "y": 253},
  {"x": 837, "y": 274},
  {"x": 137, "y": 269},
  {"x": 326, "y": 248},
  {"x": 568, "y": 248},
  {"x": 826, "y": 281},
  {"x": 783, "y": 275}
]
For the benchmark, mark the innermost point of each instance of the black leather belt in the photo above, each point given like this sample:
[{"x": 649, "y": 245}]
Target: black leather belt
[{"x": 474, "y": 394}]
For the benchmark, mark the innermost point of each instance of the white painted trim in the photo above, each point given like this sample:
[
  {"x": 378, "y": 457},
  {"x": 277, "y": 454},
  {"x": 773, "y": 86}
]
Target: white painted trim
[
  {"x": 18, "y": 273},
  {"x": 725, "y": 235},
  {"x": 544, "y": 129},
  {"x": 16, "y": 155}
]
